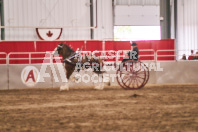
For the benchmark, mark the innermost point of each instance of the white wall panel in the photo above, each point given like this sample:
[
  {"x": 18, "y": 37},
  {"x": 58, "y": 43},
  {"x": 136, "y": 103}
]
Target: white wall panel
[
  {"x": 4, "y": 76},
  {"x": 15, "y": 81},
  {"x": 171, "y": 74},
  {"x": 187, "y": 28},
  {"x": 55, "y": 13},
  {"x": 104, "y": 28}
]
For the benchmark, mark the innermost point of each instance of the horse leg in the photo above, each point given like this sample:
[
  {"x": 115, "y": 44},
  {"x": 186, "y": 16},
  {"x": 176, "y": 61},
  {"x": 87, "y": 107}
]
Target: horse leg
[{"x": 69, "y": 71}]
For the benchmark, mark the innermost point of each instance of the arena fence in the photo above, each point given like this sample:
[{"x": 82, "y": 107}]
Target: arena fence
[
  {"x": 14, "y": 71},
  {"x": 18, "y": 58}
]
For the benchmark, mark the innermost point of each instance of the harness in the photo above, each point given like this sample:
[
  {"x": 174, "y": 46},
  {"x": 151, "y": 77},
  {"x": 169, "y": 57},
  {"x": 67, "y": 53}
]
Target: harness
[{"x": 77, "y": 55}]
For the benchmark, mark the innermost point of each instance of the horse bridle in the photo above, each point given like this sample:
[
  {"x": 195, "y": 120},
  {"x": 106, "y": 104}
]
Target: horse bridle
[{"x": 59, "y": 47}]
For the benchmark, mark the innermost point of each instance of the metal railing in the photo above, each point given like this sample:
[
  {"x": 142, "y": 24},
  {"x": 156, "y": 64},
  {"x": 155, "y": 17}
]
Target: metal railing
[
  {"x": 175, "y": 54},
  {"x": 143, "y": 50},
  {"x": 158, "y": 51},
  {"x": 109, "y": 54},
  {"x": 3, "y": 58},
  {"x": 29, "y": 58}
]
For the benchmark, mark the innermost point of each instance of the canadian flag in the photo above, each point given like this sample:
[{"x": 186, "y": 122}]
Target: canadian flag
[{"x": 49, "y": 34}]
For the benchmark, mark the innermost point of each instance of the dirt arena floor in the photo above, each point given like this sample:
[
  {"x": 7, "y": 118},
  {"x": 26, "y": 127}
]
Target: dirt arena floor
[{"x": 156, "y": 108}]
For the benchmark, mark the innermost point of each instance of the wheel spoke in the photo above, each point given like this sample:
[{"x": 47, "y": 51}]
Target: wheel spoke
[
  {"x": 137, "y": 83},
  {"x": 126, "y": 80},
  {"x": 130, "y": 83},
  {"x": 140, "y": 72},
  {"x": 140, "y": 77}
]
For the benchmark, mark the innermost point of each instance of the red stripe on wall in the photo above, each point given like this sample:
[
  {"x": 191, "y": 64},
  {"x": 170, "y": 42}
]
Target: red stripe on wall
[{"x": 43, "y": 46}]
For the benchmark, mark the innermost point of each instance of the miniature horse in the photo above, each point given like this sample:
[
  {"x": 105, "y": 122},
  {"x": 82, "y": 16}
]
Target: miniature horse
[{"x": 71, "y": 58}]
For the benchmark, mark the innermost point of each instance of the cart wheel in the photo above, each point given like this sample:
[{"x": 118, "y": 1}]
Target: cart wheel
[
  {"x": 119, "y": 78},
  {"x": 147, "y": 73},
  {"x": 132, "y": 75}
]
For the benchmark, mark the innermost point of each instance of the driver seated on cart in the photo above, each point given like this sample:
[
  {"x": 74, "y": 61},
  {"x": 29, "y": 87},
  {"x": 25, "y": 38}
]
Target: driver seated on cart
[{"x": 132, "y": 55}]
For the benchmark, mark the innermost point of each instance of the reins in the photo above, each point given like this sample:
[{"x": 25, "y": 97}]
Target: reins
[{"x": 76, "y": 54}]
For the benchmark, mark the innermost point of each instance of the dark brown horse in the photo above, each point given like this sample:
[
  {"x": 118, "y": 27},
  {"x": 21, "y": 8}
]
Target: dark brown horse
[{"x": 73, "y": 60}]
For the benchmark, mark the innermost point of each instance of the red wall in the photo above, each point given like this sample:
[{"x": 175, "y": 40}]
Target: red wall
[
  {"x": 167, "y": 44},
  {"x": 43, "y": 46},
  {"x": 156, "y": 45}
]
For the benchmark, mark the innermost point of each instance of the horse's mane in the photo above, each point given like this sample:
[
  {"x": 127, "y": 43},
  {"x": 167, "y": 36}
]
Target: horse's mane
[{"x": 68, "y": 47}]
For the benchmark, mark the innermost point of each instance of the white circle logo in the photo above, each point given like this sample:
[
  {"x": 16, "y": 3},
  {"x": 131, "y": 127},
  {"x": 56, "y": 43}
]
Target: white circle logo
[{"x": 30, "y": 76}]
